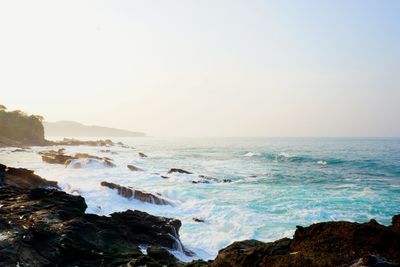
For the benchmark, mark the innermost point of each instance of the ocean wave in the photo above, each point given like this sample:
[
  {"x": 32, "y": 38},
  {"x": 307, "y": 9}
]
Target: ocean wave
[{"x": 252, "y": 154}]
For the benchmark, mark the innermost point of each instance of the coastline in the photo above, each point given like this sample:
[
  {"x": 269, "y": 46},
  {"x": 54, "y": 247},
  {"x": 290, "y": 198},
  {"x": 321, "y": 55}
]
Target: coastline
[{"x": 376, "y": 243}]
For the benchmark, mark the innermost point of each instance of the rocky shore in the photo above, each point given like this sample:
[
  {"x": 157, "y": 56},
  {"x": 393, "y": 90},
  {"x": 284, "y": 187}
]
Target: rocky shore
[{"x": 43, "y": 226}]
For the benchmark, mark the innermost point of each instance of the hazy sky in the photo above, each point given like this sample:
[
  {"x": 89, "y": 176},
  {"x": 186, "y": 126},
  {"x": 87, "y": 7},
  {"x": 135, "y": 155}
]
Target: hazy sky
[{"x": 206, "y": 68}]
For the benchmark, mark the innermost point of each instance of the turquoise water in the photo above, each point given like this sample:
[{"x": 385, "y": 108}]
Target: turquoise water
[{"x": 276, "y": 183}]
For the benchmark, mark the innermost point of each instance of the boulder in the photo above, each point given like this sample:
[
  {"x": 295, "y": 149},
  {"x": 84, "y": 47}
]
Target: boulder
[{"x": 131, "y": 193}]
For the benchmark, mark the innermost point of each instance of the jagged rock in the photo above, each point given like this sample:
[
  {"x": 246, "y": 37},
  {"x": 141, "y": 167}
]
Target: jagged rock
[
  {"x": 161, "y": 255},
  {"x": 207, "y": 179},
  {"x": 396, "y": 223},
  {"x": 88, "y": 162},
  {"x": 373, "y": 261},
  {"x": 178, "y": 171},
  {"x": 23, "y": 178},
  {"x": 134, "y": 168},
  {"x": 130, "y": 193},
  {"x": 56, "y": 158},
  {"x": 321, "y": 244},
  {"x": 79, "y": 160},
  {"x": 142, "y": 155},
  {"x": 43, "y": 227}
]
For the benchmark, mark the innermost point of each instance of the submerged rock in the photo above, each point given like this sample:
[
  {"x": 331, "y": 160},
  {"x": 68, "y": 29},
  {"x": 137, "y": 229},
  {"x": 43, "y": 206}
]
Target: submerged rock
[
  {"x": 142, "y": 155},
  {"x": 131, "y": 193},
  {"x": 88, "y": 163},
  {"x": 134, "y": 168},
  {"x": 198, "y": 219},
  {"x": 321, "y": 244},
  {"x": 173, "y": 170},
  {"x": 43, "y": 227},
  {"x": 76, "y": 142},
  {"x": 207, "y": 179}
]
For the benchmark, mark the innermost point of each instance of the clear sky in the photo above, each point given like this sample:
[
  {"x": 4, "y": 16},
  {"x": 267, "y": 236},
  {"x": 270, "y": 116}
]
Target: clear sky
[{"x": 206, "y": 68}]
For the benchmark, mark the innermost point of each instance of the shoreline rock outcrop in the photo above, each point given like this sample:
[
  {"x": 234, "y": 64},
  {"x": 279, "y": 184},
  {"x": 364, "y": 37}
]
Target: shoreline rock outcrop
[
  {"x": 130, "y": 193},
  {"x": 48, "y": 227},
  {"x": 322, "y": 244},
  {"x": 79, "y": 160}
]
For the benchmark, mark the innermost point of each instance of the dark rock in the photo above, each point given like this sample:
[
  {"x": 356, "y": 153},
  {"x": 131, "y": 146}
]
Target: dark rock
[
  {"x": 321, "y": 244},
  {"x": 396, "y": 223},
  {"x": 161, "y": 255},
  {"x": 207, "y": 179},
  {"x": 164, "y": 177},
  {"x": 87, "y": 162},
  {"x": 134, "y": 169},
  {"x": 108, "y": 151},
  {"x": 197, "y": 219},
  {"x": 197, "y": 263},
  {"x": 178, "y": 171},
  {"x": 131, "y": 193},
  {"x": 58, "y": 157},
  {"x": 43, "y": 227},
  {"x": 372, "y": 261},
  {"x": 23, "y": 178},
  {"x": 142, "y": 155}
]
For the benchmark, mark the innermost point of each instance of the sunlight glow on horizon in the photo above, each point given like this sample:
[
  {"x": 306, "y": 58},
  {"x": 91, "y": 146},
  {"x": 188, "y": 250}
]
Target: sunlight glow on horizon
[{"x": 206, "y": 68}]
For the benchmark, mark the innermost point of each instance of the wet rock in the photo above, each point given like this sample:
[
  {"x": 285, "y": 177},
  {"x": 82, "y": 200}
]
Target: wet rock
[
  {"x": 20, "y": 150},
  {"x": 173, "y": 170},
  {"x": 321, "y": 244},
  {"x": 198, "y": 219},
  {"x": 134, "y": 168},
  {"x": 43, "y": 227},
  {"x": 207, "y": 179},
  {"x": 131, "y": 193},
  {"x": 56, "y": 158},
  {"x": 23, "y": 178},
  {"x": 87, "y": 163},
  {"x": 164, "y": 177},
  {"x": 142, "y": 155},
  {"x": 161, "y": 255},
  {"x": 396, "y": 223},
  {"x": 373, "y": 261}
]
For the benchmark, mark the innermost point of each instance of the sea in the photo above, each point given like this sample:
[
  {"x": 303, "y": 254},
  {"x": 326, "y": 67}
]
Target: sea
[{"x": 276, "y": 183}]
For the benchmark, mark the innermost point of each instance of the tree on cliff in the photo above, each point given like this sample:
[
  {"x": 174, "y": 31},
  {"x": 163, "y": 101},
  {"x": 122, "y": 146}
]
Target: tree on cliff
[{"x": 18, "y": 126}]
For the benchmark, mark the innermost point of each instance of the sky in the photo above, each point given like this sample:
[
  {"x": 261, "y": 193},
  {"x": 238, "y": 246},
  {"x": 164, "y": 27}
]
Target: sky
[{"x": 206, "y": 68}]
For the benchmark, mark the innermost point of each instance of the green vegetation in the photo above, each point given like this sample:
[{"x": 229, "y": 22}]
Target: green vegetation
[{"x": 17, "y": 126}]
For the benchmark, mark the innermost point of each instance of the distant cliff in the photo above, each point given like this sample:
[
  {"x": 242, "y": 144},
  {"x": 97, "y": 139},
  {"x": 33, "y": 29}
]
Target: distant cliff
[
  {"x": 75, "y": 129},
  {"x": 19, "y": 129}
]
